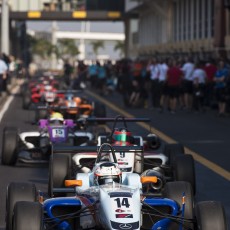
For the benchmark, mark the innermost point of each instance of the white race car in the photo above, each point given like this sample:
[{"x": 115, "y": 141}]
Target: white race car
[{"x": 110, "y": 199}]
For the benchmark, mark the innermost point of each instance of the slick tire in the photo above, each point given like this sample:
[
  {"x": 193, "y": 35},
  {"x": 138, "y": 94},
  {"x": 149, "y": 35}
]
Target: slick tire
[
  {"x": 26, "y": 100},
  {"x": 172, "y": 150},
  {"x": 210, "y": 215},
  {"x": 18, "y": 192},
  {"x": 59, "y": 171},
  {"x": 9, "y": 145},
  {"x": 174, "y": 191},
  {"x": 184, "y": 170},
  {"x": 28, "y": 216}
]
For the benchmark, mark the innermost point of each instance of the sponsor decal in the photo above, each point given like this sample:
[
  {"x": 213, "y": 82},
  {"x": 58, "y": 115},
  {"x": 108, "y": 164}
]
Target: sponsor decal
[
  {"x": 124, "y": 215},
  {"x": 125, "y": 226},
  {"x": 119, "y": 210}
]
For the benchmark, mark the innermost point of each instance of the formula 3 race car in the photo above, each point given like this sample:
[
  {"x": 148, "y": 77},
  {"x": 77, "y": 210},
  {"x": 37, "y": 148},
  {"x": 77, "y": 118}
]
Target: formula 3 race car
[
  {"x": 172, "y": 163},
  {"x": 110, "y": 199},
  {"x": 35, "y": 146}
]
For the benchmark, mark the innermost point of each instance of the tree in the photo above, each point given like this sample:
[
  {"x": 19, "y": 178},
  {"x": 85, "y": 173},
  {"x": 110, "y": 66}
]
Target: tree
[
  {"x": 120, "y": 46},
  {"x": 96, "y": 45},
  {"x": 67, "y": 47},
  {"x": 41, "y": 47}
]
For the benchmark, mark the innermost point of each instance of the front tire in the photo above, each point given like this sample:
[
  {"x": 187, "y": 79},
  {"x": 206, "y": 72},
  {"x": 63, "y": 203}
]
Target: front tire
[
  {"x": 59, "y": 171},
  {"x": 210, "y": 215},
  {"x": 174, "y": 191},
  {"x": 9, "y": 145},
  {"x": 18, "y": 192},
  {"x": 28, "y": 216}
]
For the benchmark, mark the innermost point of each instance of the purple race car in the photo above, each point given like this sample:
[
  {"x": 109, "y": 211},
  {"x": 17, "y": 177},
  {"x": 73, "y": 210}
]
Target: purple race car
[{"x": 35, "y": 146}]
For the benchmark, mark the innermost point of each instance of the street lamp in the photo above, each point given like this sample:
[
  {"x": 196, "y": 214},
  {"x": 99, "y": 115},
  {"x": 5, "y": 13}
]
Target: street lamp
[{"x": 5, "y": 27}]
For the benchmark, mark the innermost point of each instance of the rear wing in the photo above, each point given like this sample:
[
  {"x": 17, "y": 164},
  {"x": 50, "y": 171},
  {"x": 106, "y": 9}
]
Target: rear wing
[{"x": 79, "y": 149}]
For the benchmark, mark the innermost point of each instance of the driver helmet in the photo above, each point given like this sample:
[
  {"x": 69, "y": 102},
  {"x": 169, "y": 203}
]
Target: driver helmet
[
  {"x": 56, "y": 118},
  {"x": 48, "y": 87},
  {"x": 107, "y": 172},
  {"x": 122, "y": 135},
  {"x": 69, "y": 97}
]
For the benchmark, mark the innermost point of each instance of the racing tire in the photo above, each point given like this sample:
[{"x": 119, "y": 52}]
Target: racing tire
[
  {"x": 9, "y": 145},
  {"x": 99, "y": 111},
  {"x": 28, "y": 216},
  {"x": 172, "y": 150},
  {"x": 210, "y": 215},
  {"x": 40, "y": 114},
  {"x": 44, "y": 142},
  {"x": 18, "y": 192},
  {"x": 184, "y": 170},
  {"x": 174, "y": 191},
  {"x": 26, "y": 100},
  {"x": 59, "y": 171}
]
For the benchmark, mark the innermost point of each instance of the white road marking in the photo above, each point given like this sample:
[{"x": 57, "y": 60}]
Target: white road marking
[{"x": 8, "y": 102}]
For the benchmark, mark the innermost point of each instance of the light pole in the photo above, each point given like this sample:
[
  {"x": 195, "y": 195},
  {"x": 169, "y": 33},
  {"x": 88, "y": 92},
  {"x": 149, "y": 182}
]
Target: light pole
[
  {"x": 54, "y": 43},
  {"x": 5, "y": 27}
]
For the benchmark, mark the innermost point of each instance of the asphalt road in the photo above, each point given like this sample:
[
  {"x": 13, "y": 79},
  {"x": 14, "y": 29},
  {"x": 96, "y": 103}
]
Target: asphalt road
[{"x": 203, "y": 134}]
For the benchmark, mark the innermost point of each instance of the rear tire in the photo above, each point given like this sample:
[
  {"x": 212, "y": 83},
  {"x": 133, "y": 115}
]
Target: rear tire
[
  {"x": 18, "y": 192},
  {"x": 28, "y": 216},
  {"x": 172, "y": 150},
  {"x": 174, "y": 191},
  {"x": 210, "y": 215},
  {"x": 59, "y": 171},
  {"x": 9, "y": 145},
  {"x": 184, "y": 170},
  {"x": 26, "y": 100}
]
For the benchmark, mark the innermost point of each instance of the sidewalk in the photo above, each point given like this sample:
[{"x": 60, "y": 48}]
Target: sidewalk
[{"x": 14, "y": 82}]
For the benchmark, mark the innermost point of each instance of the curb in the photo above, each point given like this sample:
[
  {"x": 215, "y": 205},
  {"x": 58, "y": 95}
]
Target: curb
[{"x": 4, "y": 95}]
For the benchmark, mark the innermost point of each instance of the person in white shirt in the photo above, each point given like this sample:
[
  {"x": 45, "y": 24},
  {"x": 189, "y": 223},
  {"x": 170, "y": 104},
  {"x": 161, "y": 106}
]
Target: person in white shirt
[
  {"x": 3, "y": 73},
  {"x": 199, "y": 78},
  {"x": 188, "y": 69},
  {"x": 154, "y": 77},
  {"x": 163, "y": 69}
]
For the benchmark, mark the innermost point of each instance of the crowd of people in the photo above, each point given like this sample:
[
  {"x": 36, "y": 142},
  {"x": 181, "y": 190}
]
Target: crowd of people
[
  {"x": 162, "y": 84},
  {"x": 9, "y": 68}
]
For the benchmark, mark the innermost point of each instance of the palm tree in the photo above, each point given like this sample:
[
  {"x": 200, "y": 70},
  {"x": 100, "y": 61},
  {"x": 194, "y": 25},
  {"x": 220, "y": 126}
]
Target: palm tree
[
  {"x": 120, "y": 46},
  {"x": 41, "y": 47},
  {"x": 67, "y": 47},
  {"x": 96, "y": 45}
]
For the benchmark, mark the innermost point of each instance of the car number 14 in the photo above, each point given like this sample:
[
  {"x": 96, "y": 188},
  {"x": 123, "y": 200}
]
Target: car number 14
[{"x": 122, "y": 202}]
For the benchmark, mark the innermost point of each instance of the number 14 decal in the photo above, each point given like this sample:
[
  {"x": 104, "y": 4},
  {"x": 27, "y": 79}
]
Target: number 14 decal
[{"x": 122, "y": 202}]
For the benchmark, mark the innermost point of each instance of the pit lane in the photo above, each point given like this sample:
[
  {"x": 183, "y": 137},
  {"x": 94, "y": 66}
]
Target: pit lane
[{"x": 202, "y": 133}]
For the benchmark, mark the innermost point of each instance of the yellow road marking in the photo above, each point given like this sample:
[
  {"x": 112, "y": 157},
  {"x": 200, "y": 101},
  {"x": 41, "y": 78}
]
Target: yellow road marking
[{"x": 209, "y": 164}]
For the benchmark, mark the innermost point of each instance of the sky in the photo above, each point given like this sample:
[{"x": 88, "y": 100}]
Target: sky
[{"x": 110, "y": 27}]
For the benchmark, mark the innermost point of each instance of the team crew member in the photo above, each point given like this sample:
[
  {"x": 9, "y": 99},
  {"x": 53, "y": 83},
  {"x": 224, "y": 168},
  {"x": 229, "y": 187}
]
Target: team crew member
[
  {"x": 173, "y": 82},
  {"x": 199, "y": 83},
  {"x": 188, "y": 69},
  {"x": 3, "y": 73},
  {"x": 220, "y": 87},
  {"x": 154, "y": 77}
]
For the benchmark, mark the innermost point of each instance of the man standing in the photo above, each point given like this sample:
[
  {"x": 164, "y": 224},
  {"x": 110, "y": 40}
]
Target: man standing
[
  {"x": 154, "y": 77},
  {"x": 3, "y": 73},
  {"x": 188, "y": 69}
]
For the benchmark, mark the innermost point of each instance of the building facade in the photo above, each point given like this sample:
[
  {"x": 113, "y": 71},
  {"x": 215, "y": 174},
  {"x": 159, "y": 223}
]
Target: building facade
[{"x": 199, "y": 27}]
